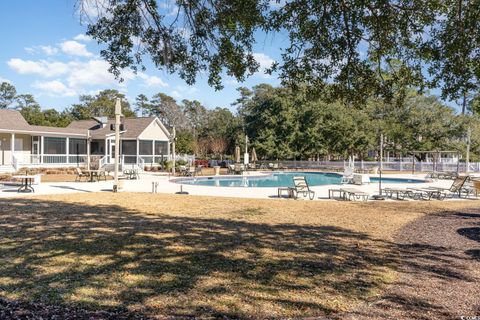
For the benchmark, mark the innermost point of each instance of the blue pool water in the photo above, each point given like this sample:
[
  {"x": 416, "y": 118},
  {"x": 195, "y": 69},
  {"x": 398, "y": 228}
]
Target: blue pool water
[{"x": 278, "y": 179}]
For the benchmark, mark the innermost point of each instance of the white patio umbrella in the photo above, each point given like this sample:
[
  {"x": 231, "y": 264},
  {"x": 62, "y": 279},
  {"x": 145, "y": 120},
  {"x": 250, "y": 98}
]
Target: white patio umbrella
[
  {"x": 237, "y": 154},
  {"x": 254, "y": 156}
]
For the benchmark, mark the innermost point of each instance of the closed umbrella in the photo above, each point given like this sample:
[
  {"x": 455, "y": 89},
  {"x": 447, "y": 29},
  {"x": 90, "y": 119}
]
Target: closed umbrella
[
  {"x": 254, "y": 155},
  {"x": 237, "y": 154}
]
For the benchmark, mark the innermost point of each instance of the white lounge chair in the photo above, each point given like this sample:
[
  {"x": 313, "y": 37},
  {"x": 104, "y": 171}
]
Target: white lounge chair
[{"x": 347, "y": 175}]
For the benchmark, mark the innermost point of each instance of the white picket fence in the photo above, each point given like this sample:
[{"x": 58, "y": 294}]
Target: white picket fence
[{"x": 387, "y": 165}]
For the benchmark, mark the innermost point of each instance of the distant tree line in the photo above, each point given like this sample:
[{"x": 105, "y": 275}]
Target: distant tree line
[{"x": 281, "y": 123}]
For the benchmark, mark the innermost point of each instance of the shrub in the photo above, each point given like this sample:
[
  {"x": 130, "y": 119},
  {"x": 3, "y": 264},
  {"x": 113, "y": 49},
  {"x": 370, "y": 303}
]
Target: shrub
[
  {"x": 181, "y": 163},
  {"x": 202, "y": 162}
]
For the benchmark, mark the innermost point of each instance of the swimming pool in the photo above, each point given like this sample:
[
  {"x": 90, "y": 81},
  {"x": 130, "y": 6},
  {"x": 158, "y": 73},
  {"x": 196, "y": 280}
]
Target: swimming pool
[{"x": 278, "y": 179}]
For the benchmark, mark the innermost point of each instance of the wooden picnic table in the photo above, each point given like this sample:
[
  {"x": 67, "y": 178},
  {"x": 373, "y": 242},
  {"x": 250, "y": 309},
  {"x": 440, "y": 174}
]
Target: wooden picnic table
[{"x": 26, "y": 185}]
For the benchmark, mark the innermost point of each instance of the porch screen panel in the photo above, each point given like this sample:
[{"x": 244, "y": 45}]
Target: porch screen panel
[
  {"x": 78, "y": 146},
  {"x": 129, "y": 147},
  {"x": 161, "y": 147},
  {"x": 146, "y": 147},
  {"x": 54, "y": 145}
]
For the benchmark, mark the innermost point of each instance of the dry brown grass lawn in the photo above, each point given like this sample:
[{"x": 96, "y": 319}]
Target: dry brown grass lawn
[{"x": 203, "y": 256}]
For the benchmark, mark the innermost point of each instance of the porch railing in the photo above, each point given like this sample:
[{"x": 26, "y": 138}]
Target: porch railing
[{"x": 61, "y": 159}]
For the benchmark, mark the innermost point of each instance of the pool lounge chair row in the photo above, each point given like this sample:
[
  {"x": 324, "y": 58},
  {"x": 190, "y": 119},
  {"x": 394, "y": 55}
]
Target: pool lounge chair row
[
  {"x": 442, "y": 175},
  {"x": 351, "y": 194},
  {"x": 460, "y": 187}
]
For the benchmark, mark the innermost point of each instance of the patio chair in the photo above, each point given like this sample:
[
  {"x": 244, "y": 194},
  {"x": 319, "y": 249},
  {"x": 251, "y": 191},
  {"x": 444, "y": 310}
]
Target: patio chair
[
  {"x": 198, "y": 171},
  {"x": 402, "y": 193},
  {"x": 300, "y": 185},
  {"x": 354, "y": 194},
  {"x": 190, "y": 171},
  {"x": 183, "y": 170},
  {"x": 347, "y": 175},
  {"x": 457, "y": 187},
  {"x": 450, "y": 175},
  {"x": 432, "y": 175},
  {"x": 428, "y": 193},
  {"x": 80, "y": 174},
  {"x": 231, "y": 169},
  {"x": 102, "y": 174},
  {"x": 238, "y": 168}
]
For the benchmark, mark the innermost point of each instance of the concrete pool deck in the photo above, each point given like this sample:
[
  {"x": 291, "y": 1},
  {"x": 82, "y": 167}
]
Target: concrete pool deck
[{"x": 164, "y": 185}]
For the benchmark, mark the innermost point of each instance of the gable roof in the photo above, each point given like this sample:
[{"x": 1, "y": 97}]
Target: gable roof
[
  {"x": 133, "y": 127},
  {"x": 13, "y": 121}
]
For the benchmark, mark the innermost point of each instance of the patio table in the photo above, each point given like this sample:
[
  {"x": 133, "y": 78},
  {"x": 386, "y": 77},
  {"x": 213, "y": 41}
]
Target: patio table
[
  {"x": 26, "y": 183},
  {"x": 288, "y": 190},
  {"x": 92, "y": 174}
]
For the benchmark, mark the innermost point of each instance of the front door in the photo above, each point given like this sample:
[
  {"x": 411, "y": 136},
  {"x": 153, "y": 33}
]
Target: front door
[
  {"x": 112, "y": 151},
  {"x": 35, "y": 151}
]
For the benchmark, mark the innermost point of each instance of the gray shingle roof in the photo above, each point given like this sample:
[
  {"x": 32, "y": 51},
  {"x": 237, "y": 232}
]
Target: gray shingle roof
[
  {"x": 12, "y": 120},
  {"x": 133, "y": 127}
]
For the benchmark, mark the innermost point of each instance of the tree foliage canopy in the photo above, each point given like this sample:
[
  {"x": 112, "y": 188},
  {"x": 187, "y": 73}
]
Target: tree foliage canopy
[
  {"x": 101, "y": 104},
  {"x": 346, "y": 43}
]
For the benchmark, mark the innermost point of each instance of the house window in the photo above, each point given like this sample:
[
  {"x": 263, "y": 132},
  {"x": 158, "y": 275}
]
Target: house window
[
  {"x": 18, "y": 144},
  {"x": 55, "y": 145},
  {"x": 78, "y": 146},
  {"x": 146, "y": 147},
  {"x": 129, "y": 147},
  {"x": 161, "y": 147}
]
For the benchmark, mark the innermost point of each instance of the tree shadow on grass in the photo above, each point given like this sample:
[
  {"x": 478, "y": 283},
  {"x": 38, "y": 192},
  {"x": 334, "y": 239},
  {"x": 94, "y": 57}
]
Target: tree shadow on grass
[{"x": 106, "y": 256}]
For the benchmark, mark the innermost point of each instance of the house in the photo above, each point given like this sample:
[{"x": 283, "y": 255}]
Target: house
[{"x": 143, "y": 140}]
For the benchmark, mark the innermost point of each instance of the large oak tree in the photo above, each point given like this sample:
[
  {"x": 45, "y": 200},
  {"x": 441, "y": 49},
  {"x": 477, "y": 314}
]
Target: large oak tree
[{"x": 342, "y": 42}]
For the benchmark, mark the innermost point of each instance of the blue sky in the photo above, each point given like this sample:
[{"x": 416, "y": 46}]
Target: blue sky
[{"x": 45, "y": 53}]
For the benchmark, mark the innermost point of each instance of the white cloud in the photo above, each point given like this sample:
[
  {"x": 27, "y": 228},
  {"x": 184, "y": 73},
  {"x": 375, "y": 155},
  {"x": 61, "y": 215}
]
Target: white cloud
[
  {"x": 232, "y": 82},
  {"x": 49, "y": 50},
  {"x": 4, "y": 80},
  {"x": 75, "y": 48},
  {"x": 41, "y": 67},
  {"x": 82, "y": 37},
  {"x": 76, "y": 75},
  {"x": 54, "y": 88},
  {"x": 265, "y": 62},
  {"x": 93, "y": 8},
  {"x": 169, "y": 7},
  {"x": 152, "y": 81},
  {"x": 30, "y": 50},
  {"x": 183, "y": 92},
  {"x": 276, "y": 4},
  {"x": 94, "y": 72}
]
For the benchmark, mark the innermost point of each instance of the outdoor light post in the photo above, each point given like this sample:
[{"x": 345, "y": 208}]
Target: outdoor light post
[
  {"x": 245, "y": 156},
  {"x": 380, "y": 167},
  {"x": 173, "y": 138},
  {"x": 89, "y": 140},
  {"x": 467, "y": 160},
  {"x": 380, "y": 160},
  {"x": 118, "y": 113}
]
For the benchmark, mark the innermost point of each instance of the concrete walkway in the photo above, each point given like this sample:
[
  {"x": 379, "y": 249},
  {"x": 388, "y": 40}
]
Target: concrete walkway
[{"x": 164, "y": 185}]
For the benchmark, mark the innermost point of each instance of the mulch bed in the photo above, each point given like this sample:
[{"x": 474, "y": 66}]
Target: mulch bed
[
  {"x": 20, "y": 310},
  {"x": 440, "y": 276}
]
